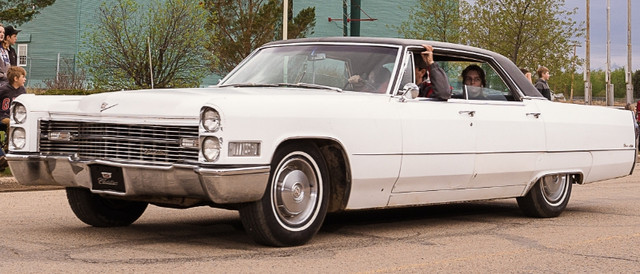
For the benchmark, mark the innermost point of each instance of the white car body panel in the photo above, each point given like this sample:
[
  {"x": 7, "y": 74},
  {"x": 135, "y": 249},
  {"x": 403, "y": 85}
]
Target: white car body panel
[{"x": 600, "y": 131}]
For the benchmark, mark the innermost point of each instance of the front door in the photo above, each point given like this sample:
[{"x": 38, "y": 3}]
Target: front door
[{"x": 438, "y": 145}]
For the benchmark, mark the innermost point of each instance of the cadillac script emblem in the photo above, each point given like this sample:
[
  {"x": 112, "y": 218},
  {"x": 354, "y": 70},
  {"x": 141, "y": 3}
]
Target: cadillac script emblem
[
  {"x": 105, "y": 179},
  {"x": 106, "y": 106}
]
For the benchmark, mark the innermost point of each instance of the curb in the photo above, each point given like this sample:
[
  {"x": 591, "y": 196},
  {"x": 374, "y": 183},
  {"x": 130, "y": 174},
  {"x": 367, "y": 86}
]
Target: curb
[{"x": 10, "y": 184}]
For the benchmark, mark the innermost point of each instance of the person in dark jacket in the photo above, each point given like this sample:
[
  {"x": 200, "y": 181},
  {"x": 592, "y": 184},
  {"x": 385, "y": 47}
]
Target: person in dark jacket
[
  {"x": 17, "y": 77},
  {"x": 10, "y": 38},
  {"x": 435, "y": 83},
  {"x": 541, "y": 83}
]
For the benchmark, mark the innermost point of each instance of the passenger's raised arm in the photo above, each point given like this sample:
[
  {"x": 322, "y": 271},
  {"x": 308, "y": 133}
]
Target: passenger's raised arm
[{"x": 437, "y": 85}]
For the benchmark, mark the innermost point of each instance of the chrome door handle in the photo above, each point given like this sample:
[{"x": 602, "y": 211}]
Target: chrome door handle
[
  {"x": 467, "y": 112},
  {"x": 534, "y": 114}
]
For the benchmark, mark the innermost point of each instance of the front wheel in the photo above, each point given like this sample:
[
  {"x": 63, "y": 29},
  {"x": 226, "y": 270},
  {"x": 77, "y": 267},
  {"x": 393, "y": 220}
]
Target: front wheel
[
  {"x": 95, "y": 210},
  {"x": 548, "y": 197},
  {"x": 295, "y": 202}
]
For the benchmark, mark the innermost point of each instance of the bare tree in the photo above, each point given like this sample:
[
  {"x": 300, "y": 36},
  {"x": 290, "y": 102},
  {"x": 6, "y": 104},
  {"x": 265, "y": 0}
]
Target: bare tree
[
  {"x": 117, "y": 55},
  {"x": 68, "y": 77}
]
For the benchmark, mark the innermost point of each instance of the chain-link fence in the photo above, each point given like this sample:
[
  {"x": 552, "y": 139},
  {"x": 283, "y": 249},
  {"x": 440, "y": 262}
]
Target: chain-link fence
[{"x": 55, "y": 72}]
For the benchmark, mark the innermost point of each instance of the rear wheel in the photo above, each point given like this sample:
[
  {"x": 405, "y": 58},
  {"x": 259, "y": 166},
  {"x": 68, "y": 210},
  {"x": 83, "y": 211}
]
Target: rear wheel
[
  {"x": 98, "y": 211},
  {"x": 295, "y": 202},
  {"x": 548, "y": 197}
]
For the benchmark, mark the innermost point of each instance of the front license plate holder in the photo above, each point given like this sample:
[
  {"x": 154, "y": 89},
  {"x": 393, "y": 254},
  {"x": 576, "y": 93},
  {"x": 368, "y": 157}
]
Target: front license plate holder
[{"x": 108, "y": 178}]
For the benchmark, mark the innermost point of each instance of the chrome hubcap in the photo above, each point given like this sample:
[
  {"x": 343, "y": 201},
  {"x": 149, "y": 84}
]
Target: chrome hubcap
[
  {"x": 295, "y": 191},
  {"x": 554, "y": 188}
]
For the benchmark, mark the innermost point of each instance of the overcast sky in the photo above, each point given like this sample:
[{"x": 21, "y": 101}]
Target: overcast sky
[{"x": 598, "y": 10}]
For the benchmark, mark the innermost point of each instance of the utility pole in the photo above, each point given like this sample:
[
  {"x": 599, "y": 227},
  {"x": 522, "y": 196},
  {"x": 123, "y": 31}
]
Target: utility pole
[
  {"x": 355, "y": 17},
  {"x": 150, "y": 64},
  {"x": 573, "y": 72},
  {"x": 587, "y": 64},
  {"x": 285, "y": 19},
  {"x": 610, "y": 95},
  {"x": 352, "y": 19},
  {"x": 345, "y": 18},
  {"x": 628, "y": 75}
]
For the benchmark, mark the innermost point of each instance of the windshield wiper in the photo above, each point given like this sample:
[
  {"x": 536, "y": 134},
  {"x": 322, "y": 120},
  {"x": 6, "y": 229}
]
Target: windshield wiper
[
  {"x": 298, "y": 85},
  {"x": 307, "y": 85},
  {"x": 242, "y": 85}
]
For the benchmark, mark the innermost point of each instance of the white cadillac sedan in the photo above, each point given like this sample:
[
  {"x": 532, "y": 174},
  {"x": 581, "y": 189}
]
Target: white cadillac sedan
[{"x": 286, "y": 138}]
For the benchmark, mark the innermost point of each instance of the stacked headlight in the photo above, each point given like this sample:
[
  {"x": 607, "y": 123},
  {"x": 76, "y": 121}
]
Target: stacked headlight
[
  {"x": 210, "y": 145},
  {"x": 211, "y": 148},
  {"x": 18, "y": 113},
  {"x": 210, "y": 119},
  {"x": 18, "y": 137}
]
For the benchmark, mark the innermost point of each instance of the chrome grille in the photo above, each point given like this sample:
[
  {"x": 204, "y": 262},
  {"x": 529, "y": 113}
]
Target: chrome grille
[{"x": 148, "y": 143}]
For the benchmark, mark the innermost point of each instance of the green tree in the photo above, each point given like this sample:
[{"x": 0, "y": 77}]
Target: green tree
[
  {"x": 240, "y": 26},
  {"x": 433, "y": 20},
  {"x": 561, "y": 83},
  {"x": 117, "y": 55},
  {"x": 529, "y": 32},
  {"x": 17, "y": 12},
  {"x": 619, "y": 85},
  {"x": 598, "y": 83}
]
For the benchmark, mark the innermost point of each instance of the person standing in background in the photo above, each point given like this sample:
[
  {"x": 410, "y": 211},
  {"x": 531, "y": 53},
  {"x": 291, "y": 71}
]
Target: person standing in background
[
  {"x": 526, "y": 73},
  {"x": 541, "y": 83},
  {"x": 17, "y": 77},
  {"x": 10, "y": 39},
  {"x": 4, "y": 59}
]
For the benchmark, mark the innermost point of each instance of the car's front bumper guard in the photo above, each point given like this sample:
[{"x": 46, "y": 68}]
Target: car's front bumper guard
[{"x": 220, "y": 185}]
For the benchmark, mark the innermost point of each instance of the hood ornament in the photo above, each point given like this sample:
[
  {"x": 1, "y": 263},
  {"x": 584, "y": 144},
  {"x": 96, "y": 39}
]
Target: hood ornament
[{"x": 104, "y": 106}]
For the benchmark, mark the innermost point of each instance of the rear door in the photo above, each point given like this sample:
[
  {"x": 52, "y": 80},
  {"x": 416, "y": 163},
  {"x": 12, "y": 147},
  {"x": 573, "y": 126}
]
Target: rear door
[
  {"x": 510, "y": 134},
  {"x": 510, "y": 141}
]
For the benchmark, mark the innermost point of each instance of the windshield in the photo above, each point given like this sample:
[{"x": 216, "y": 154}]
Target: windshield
[{"x": 346, "y": 67}]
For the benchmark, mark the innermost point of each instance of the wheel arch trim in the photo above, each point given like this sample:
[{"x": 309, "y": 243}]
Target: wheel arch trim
[
  {"x": 337, "y": 160},
  {"x": 577, "y": 177}
]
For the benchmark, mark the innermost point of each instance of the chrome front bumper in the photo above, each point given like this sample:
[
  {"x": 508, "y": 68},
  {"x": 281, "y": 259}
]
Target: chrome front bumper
[{"x": 220, "y": 185}]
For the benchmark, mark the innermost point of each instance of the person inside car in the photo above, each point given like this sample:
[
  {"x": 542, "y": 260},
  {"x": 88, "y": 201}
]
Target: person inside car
[
  {"x": 377, "y": 81},
  {"x": 432, "y": 81},
  {"x": 473, "y": 77}
]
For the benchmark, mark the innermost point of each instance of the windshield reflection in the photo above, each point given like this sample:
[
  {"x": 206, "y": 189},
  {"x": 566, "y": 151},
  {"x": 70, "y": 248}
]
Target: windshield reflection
[{"x": 353, "y": 67}]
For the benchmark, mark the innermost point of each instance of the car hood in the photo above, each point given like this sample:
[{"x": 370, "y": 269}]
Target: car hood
[
  {"x": 156, "y": 103},
  {"x": 174, "y": 103}
]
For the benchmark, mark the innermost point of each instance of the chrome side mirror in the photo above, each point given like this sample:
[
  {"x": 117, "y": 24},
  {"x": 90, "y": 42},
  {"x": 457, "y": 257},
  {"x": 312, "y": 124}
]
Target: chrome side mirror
[{"x": 409, "y": 91}]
